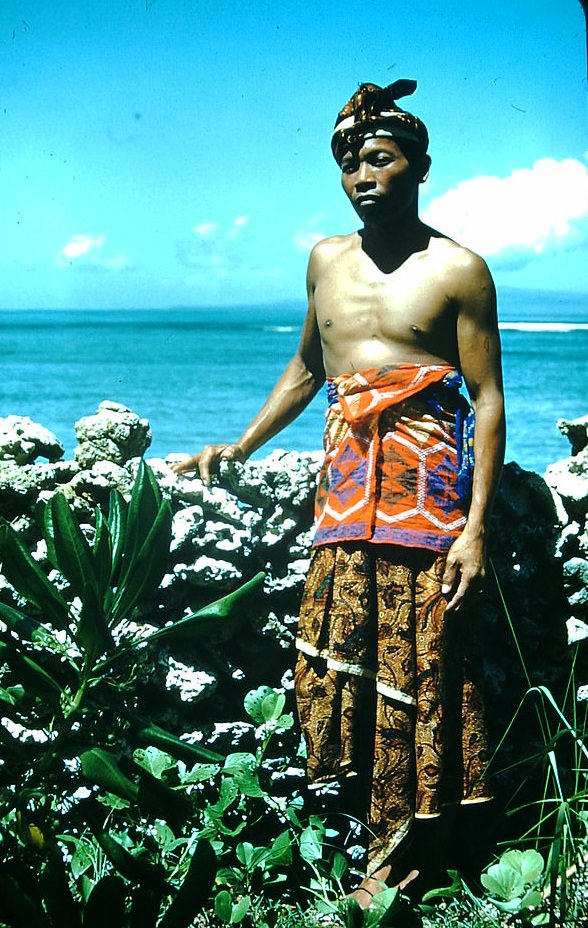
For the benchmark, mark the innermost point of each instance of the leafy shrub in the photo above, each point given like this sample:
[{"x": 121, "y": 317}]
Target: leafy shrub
[{"x": 97, "y": 812}]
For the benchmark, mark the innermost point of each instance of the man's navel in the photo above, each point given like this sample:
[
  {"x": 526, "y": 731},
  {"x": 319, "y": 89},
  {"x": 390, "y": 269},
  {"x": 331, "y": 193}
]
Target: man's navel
[{"x": 328, "y": 322}]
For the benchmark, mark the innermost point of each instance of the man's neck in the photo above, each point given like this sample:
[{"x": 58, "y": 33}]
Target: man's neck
[{"x": 390, "y": 244}]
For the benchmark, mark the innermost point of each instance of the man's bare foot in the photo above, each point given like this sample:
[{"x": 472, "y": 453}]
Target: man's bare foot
[{"x": 370, "y": 886}]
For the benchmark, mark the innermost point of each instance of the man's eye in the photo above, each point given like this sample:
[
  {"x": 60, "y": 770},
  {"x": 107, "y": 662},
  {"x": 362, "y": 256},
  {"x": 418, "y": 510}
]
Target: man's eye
[{"x": 348, "y": 167}]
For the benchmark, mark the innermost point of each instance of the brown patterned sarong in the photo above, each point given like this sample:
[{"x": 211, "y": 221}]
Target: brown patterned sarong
[{"x": 387, "y": 688}]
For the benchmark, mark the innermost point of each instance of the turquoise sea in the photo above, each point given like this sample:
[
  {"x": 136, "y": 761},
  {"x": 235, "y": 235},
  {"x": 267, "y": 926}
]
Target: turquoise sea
[{"x": 200, "y": 374}]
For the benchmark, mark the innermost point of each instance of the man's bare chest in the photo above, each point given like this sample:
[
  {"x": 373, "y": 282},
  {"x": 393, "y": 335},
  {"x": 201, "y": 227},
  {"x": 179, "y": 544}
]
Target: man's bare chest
[{"x": 351, "y": 297}]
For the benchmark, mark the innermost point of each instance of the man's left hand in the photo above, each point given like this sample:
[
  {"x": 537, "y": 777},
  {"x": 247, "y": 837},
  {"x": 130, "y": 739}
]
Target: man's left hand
[{"x": 465, "y": 571}]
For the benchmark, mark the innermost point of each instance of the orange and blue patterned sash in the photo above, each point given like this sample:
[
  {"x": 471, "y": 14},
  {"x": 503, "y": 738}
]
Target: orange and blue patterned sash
[{"x": 397, "y": 468}]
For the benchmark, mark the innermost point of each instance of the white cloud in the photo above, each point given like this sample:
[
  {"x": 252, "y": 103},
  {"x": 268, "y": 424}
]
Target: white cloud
[
  {"x": 238, "y": 225},
  {"x": 205, "y": 229},
  {"x": 81, "y": 245},
  {"x": 531, "y": 210},
  {"x": 215, "y": 248},
  {"x": 87, "y": 251}
]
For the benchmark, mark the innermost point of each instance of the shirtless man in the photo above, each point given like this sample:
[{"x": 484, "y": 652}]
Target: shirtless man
[{"x": 395, "y": 299}]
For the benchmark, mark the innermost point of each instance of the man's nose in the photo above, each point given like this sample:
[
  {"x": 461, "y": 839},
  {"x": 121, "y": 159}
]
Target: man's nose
[{"x": 364, "y": 177}]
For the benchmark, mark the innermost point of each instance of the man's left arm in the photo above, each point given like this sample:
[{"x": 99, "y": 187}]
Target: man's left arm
[{"x": 480, "y": 362}]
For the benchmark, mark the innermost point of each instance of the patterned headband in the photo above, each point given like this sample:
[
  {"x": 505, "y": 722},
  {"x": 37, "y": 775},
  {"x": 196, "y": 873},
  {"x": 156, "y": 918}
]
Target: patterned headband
[{"x": 372, "y": 111}]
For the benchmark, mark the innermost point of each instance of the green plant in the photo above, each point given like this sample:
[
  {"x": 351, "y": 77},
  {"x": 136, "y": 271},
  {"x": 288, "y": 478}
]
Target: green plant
[
  {"x": 90, "y": 822},
  {"x": 513, "y": 882},
  {"x": 559, "y": 817},
  {"x": 512, "y": 890}
]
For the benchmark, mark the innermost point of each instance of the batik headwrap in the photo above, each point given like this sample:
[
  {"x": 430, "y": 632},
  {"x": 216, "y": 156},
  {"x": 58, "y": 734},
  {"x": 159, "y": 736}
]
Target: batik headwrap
[{"x": 372, "y": 111}]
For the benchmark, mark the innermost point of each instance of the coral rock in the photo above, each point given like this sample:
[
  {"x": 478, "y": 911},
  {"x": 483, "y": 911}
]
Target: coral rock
[
  {"x": 114, "y": 433},
  {"x": 23, "y": 441},
  {"x": 576, "y": 431}
]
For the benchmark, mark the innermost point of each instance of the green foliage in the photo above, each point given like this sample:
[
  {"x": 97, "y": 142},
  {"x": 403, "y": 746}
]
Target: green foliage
[
  {"x": 107, "y": 817},
  {"x": 101, "y": 818}
]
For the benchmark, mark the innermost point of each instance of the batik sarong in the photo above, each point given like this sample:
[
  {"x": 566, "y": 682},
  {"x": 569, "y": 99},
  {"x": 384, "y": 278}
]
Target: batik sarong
[
  {"x": 398, "y": 458},
  {"x": 387, "y": 688}
]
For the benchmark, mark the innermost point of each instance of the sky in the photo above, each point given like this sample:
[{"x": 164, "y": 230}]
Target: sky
[{"x": 164, "y": 153}]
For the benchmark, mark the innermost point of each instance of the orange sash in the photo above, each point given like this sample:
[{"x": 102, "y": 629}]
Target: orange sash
[{"x": 391, "y": 472}]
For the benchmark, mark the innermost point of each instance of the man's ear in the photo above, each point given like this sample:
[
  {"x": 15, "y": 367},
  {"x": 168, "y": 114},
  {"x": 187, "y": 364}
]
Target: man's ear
[{"x": 425, "y": 168}]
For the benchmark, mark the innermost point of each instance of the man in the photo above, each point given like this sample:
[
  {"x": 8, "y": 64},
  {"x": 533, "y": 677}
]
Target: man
[{"x": 386, "y": 681}]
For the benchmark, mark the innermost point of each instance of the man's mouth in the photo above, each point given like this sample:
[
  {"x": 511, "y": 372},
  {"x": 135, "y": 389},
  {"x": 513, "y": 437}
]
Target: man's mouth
[{"x": 365, "y": 198}]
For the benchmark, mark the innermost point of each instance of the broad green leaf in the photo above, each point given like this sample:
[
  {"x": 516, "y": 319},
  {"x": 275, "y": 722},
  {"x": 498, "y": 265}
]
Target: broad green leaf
[
  {"x": 201, "y": 772},
  {"x": 353, "y": 914},
  {"x": 113, "y": 802},
  {"x": 101, "y": 768},
  {"x": 532, "y": 899},
  {"x": 453, "y": 891},
  {"x": 281, "y": 850},
  {"x": 383, "y": 902},
  {"x": 142, "y": 512},
  {"x": 206, "y": 619},
  {"x": 248, "y": 784},
  {"x": 253, "y": 702},
  {"x": 339, "y": 866},
  {"x": 311, "y": 845},
  {"x": 244, "y": 852},
  {"x": 194, "y": 891},
  {"x": 223, "y": 906},
  {"x": 227, "y": 794},
  {"x": 511, "y": 905},
  {"x": 82, "y": 860},
  {"x": 68, "y": 550},
  {"x": 25, "y": 627},
  {"x": 117, "y": 522},
  {"x": 92, "y": 633},
  {"x": 9, "y": 697},
  {"x": 164, "y": 835},
  {"x": 272, "y": 706},
  {"x": 25, "y": 575},
  {"x": 240, "y": 762},
  {"x": 240, "y": 910},
  {"x": 143, "y": 572},
  {"x": 528, "y": 863},
  {"x": 243, "y": 768},
  {"x": 102, "y": 555},
  {"x": 31, "y": 675},
  {"x": 153, "y": 760},
  {"x": 148, "y": 733},
  {"x": 502, "y": 881}
]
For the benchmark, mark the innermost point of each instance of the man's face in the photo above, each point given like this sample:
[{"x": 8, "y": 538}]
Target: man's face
[{"x": 378, "y": 179}]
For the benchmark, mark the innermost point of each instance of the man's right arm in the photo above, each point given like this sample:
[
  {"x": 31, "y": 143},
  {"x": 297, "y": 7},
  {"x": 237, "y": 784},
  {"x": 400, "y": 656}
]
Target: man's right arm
[{"x": 302, "y": 378}]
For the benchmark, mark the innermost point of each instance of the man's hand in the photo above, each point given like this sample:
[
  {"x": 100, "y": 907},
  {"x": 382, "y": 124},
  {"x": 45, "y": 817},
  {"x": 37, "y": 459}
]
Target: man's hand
[
  {"x": 206, "y": 462},
  {"x": 465, "y": 571}
]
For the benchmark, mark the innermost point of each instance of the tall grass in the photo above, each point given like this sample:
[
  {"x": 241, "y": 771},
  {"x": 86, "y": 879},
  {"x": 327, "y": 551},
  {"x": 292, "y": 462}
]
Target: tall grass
[{"x": 556, "y": 819}]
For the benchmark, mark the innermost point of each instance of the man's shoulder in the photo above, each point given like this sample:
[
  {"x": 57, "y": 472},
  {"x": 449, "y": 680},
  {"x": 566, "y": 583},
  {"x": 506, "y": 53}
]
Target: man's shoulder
[
  {"x": 464, "y": 274},
  {"x": 453, "y": 255},
  {"x": 462, "y": 269},
  {"x": 331, "y": 248}
]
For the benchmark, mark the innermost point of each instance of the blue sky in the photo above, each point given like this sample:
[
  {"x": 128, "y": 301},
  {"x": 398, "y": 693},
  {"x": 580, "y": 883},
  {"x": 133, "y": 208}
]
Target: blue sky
[{"x": 171, "y": 152}]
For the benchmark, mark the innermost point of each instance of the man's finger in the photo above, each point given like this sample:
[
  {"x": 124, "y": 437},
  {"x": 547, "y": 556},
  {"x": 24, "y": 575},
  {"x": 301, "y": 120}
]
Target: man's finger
[
  {"x": 204, "y": 468},
  {"x": 185, "y": 465},
  {"x": 450, "y": 578}
]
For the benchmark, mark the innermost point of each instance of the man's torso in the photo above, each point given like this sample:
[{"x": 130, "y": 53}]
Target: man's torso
[{"x": 369, "y": 318}]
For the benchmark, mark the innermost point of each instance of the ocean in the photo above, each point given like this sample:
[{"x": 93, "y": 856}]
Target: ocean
[{"x": 199, "y": 375}]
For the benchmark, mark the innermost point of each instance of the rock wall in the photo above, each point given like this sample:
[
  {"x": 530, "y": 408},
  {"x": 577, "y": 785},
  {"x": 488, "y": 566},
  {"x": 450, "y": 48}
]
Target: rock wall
[{"x": 258, "y": 516}]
